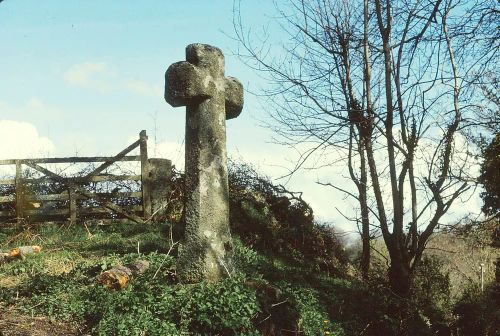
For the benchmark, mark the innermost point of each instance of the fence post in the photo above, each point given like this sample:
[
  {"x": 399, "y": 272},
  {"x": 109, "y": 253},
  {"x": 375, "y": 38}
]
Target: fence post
[
  {"x": 161, "y": 174},
  {"x": 145, "y": 176},
  {"x": 19, "y": 193},
  {"x": 72, "y": 205}
]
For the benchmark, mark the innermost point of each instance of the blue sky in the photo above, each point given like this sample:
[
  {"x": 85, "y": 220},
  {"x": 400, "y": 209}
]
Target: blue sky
[
  {"x": 84, "y": 77},
  {"x": 123, "y": 49}
]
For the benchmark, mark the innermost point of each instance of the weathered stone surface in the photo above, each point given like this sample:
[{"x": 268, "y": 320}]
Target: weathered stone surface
[
  {"x": 210, "y": 99},
  {"x": 234, "y": 97},
  {"x": 160, "y": 173}
]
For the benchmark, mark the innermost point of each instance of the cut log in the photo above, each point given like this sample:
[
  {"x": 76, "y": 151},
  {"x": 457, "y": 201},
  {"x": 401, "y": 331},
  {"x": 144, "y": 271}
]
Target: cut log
[
  {"x": 19, "y": 253},
  {"x": 118, "y": 277}
]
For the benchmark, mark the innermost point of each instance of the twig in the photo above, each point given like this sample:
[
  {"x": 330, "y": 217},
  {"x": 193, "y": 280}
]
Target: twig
[
  {"x": 363, "y": 331},
  {"x": 90, "y": 235},
  {"x": 268, "y": 316},
  {"x": 440, "y": 249},
  {"x": 279, "y": 303},
  {"x": 164, "y": 205},
  {"x": 165, "y": 259},
  {"x": 171, "y": 236},
  {"x": 293, "y": 331},
  {"x": 380, "y": 253},
  {"x": 171, "y": 247},
  {"x": 224, "y": 265}
]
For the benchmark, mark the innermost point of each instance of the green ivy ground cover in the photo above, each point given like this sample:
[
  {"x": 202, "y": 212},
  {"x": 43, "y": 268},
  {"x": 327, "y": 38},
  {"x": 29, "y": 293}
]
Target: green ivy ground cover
[{"x": 60, "y": 283}]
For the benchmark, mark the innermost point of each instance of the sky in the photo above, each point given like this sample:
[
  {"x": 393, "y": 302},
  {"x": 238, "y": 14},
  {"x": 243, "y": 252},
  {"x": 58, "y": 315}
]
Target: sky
[{"x": 83, "y": 78}]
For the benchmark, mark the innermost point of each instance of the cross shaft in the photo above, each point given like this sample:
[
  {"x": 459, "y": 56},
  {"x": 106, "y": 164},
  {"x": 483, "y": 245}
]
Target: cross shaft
[{"x": 210, "y": 98}]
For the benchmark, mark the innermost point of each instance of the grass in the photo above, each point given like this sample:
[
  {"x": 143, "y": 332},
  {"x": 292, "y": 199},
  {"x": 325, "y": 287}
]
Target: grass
[
  {"x": 60, "y": 281},
  {"x": 266, "y": 293}
]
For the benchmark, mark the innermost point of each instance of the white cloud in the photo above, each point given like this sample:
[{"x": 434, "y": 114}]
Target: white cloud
[
  {"x": 101, "y": 77},
  {"x": 89, "y": 75},
  {"x": 35, "y": 104},
  {"x": 143, "y": 88},
  {"x": 328, "y": 203},
  {"x": 276, "y": 160},
  {"x": 169, "y": 150},
  {"x": 19, "y": 140}
]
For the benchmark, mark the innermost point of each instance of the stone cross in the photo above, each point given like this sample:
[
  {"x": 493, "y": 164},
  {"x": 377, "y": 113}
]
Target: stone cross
[{"x": 210, "y": 99}]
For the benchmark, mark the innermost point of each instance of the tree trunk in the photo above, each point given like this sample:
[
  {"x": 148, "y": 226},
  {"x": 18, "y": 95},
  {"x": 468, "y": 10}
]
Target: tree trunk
[
  {"x": 399, "y": 308},
  {"x": 400, "y": 278},
  {"x": 365, "y": 221}
]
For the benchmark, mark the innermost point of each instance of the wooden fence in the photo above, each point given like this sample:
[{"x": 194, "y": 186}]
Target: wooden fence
[{"x": 53, "y": 197}]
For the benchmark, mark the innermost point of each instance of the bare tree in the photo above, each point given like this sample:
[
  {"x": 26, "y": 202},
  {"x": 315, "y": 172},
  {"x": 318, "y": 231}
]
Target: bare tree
[{"x": 389, "y": 87}]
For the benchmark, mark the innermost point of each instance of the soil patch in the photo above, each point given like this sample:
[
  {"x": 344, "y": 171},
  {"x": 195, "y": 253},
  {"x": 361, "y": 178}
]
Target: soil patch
[{"x": 13, "y": 324}]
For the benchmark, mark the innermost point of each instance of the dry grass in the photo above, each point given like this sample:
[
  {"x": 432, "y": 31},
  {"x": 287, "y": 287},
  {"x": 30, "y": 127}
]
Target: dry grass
[
  {"x": 12, "y": 281},
  {"x": 57, "y": 264},
  {"x": 13, "y": 324}
]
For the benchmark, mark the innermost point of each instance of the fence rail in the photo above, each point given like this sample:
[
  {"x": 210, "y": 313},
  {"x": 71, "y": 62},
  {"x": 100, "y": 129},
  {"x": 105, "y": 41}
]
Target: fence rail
[
  {"x": 22, "y": 205},
  {"x": 75, "y": 159}
]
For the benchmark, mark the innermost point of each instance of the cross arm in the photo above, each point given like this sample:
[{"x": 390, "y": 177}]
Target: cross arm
[
  {"x": 233, "y": 98},
  {"x": 183, "y": 84}
]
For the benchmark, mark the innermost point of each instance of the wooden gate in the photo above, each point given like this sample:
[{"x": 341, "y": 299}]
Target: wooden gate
[{"x": 54, "y": 197}]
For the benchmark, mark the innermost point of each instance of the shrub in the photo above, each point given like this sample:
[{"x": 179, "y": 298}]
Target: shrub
[
  {"x": 276, "y": 221},
  {"x": 313, "y": 318},
  {"x": 431, "y": 290},
  {"x": 478, "y": 314}
]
